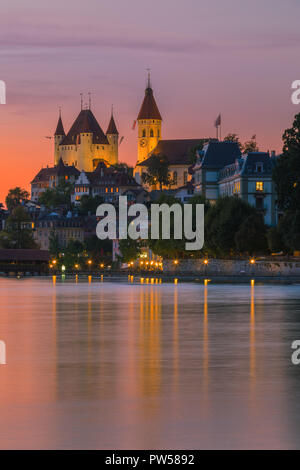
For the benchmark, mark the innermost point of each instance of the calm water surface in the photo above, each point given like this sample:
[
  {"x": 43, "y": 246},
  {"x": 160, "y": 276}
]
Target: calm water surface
[{"x": 130, "y": 366}]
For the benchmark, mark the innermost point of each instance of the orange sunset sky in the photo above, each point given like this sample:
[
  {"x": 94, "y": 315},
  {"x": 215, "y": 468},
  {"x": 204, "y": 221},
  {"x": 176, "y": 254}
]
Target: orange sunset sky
[{"x": 206, "y": 58}]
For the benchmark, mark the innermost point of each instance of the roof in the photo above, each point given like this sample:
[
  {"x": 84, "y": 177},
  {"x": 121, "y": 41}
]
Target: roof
[
  {"x": 178, "y": 152},
  {"x": 252, "y": 158},
  {"x": 246, "y": 166},
  {"x": 59, "y": 170},
  {"x": 24, "y": 255},
  {"x": 85, "y": 122},
  {"x": 112, "y": 128},
  {"x": 149, "y": 109},
  {"x": 59, "y": 128},
  {"x": 104, "y": 176},
  {"x": 220, "y": 154}
]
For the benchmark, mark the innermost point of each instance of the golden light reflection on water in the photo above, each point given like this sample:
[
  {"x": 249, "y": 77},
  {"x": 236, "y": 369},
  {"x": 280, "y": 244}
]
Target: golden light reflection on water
[
  {"x": 136, "y": 364},
  {"x": 175, "y": 339},
  {"x": 252, "y": 336},
  {"x": 149, "y": 341}
]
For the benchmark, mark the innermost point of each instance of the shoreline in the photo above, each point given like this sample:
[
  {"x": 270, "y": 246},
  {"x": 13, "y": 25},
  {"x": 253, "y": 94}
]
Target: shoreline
[{"x": 153, "y": 278}]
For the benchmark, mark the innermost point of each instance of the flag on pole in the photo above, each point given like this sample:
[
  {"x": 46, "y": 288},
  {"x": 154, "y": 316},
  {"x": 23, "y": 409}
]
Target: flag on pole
[
  {"x": 133, "y": 125},
  {"x": 121, "y": 140},
  {"x": 218, "y": 121}
]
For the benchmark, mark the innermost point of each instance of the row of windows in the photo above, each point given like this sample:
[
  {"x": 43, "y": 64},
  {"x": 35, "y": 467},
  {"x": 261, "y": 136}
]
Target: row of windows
[{"x": 151, "y": 133}]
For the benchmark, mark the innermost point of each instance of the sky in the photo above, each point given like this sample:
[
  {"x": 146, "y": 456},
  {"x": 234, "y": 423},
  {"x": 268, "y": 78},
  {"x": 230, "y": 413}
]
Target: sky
[{"x": 238, "y": 58}]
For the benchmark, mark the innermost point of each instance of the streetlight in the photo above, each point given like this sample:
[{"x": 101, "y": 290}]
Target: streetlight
[{"x": 63, "y": 268}]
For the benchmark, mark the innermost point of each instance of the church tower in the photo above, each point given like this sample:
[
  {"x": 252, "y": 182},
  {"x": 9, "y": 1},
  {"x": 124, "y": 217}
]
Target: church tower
[
  {"x": 149, "y": 124},
  {"x": 59, "y": 135},
  {"x": 112, "y": 135}
]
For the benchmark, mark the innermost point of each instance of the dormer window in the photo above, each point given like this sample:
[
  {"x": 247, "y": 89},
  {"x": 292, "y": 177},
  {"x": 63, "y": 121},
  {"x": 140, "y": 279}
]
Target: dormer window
[{"x": 259, "y": 168}]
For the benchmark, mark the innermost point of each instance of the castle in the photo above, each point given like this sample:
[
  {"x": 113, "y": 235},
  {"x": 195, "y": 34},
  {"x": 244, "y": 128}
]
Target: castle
[{"x": 85, "y": 145}]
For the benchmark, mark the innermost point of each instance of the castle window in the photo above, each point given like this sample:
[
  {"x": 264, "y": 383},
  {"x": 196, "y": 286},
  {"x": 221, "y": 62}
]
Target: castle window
[
  {"x": 144, "y": 133},
  {"x": 158, "y": 133},
  {"x": 259, "y": 186},
  {"x": 151, "y": 133}
]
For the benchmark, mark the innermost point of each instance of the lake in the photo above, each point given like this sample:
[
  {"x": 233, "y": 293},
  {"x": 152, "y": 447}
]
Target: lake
[{"x": 131, "y": 365}]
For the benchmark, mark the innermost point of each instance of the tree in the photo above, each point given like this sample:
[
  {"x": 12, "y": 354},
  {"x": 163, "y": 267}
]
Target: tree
[
  {"x": 289, "y": 230},
  {"x": 58, "y": 196},
  {"x": 129, "y": 250},
  {"x": 123, "y": 167},
  {"x": 233, "y": 138},
  {"x": 54, "y": 245},
  {"x": 157, "y": 172},
  {"x": 275, "y": 241},
  {"x": 89, "y": 204},
  {"x": 18, "y": 232},
  {"x": 195, "y": 148},
  {"x": 98, "y": 249},
  {"x": 16, "y": 197},
  {"x": 246, "y": 147},
  {"x": 251, "y": 235},
  {"x": 286, "y": 173},
  {"x": 168, "y": 248},
  {"x": 250, "y": 145},
  {"x": 223, "y": 221}
]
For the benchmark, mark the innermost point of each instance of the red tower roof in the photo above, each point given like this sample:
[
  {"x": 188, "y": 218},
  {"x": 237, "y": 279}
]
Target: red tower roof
[{"x": 149, "y": 109}]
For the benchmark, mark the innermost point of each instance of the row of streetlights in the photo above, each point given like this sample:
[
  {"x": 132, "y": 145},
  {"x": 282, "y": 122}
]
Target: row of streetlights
[{"x": 53, "y": 264}]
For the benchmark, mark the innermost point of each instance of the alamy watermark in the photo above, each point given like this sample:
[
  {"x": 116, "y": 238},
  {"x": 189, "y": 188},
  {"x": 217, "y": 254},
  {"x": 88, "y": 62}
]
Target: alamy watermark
[
  {"x": 2, "y": 352},
  {"x": 157, "y": 224},
  {"x": 2, "y": 92},
  {"x": 296, "y": 94},
  {"x": 296, "y": 354}
]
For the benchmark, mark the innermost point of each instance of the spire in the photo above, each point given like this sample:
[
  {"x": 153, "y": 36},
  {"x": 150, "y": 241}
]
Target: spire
[
  {"x": 112, "y": 128},
  {"x": 59, "y": 128},
  {"x": 149, "y": 78},
  {"x": 149, "y": 109}
]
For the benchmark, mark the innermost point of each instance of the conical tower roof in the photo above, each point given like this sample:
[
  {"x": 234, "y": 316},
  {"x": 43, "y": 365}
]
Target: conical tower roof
[
  {"x": 59, "y": 128},
  {"x": 112, "y": 128},
  {"x": 149, "y": 109}
]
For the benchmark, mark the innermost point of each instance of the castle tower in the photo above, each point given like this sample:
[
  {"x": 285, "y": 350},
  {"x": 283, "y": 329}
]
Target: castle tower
[
  {"x": 149, "y": 124},
  {"x": 59, "y": 135},
  {"x": 112, "y": 135}
]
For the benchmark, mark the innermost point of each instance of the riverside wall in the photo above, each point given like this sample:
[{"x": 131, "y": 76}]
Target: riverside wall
[{"x": 219, "y": 267}]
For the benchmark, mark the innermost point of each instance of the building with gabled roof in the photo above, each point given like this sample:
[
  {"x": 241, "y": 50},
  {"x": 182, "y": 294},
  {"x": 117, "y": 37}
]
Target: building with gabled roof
[
  {"x": 51, "y": 177},
  {"x": 106, "y": 182},
  {"x": 85, "y": 145},
  {"x": 250, "y": 178},
  {"x": 214, "y": 156}
]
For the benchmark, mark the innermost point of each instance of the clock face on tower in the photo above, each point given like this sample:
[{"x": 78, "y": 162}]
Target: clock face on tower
[{"x": 143, "y": 143}]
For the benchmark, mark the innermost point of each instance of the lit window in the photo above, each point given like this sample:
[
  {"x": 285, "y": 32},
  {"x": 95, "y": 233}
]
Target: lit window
[{"x": 259, "y": 186}]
